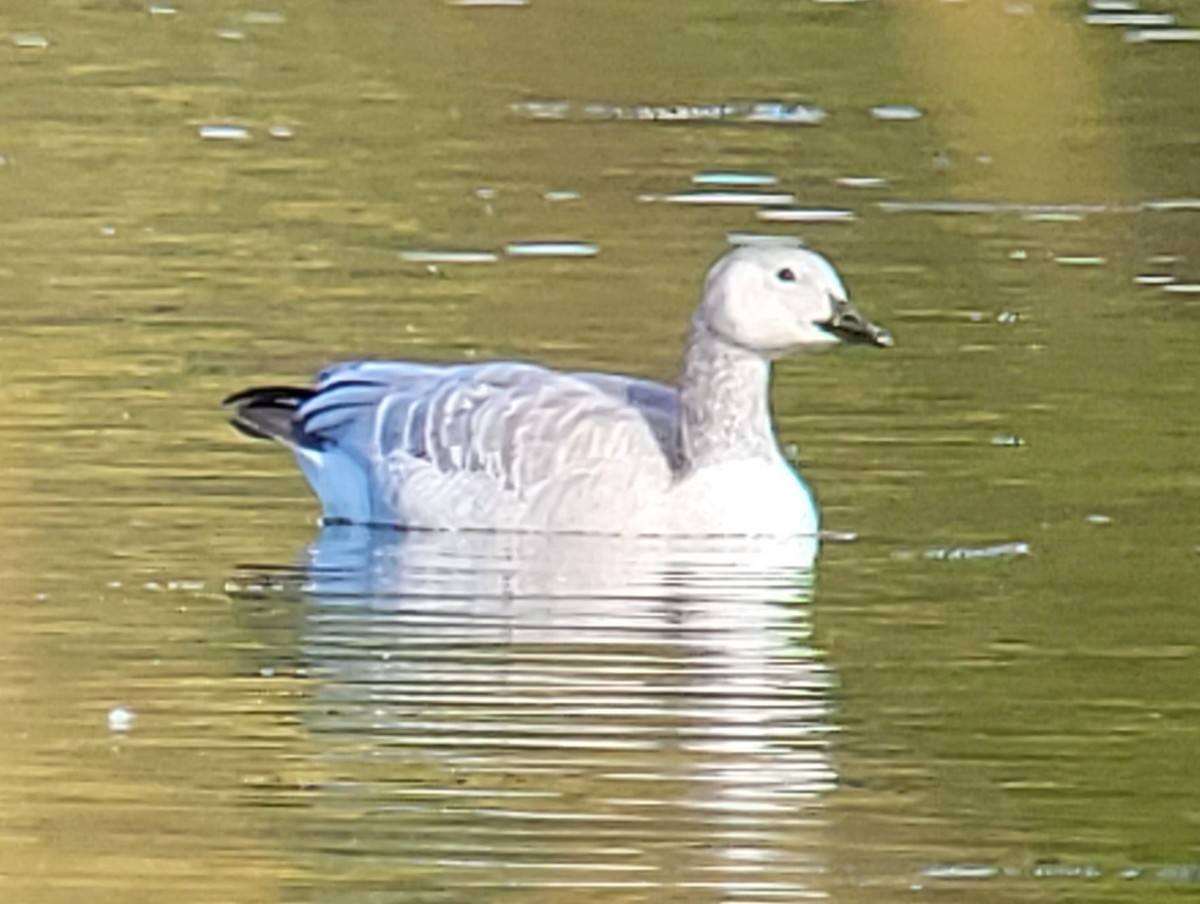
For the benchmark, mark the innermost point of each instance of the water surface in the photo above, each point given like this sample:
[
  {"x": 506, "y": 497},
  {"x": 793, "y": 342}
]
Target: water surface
[{"x": 988, "y": 694}]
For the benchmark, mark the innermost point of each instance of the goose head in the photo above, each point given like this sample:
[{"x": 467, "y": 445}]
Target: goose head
[{"x": 772, "y": 300}]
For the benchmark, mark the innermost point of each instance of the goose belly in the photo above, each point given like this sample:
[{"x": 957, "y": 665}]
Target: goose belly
[
  {"x": 753, "y": 496},
  {"x": 750, "y": 497}
]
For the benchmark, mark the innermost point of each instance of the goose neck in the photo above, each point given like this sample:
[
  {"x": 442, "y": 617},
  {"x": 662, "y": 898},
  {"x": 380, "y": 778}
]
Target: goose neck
[{"x": 724, "y": 393}]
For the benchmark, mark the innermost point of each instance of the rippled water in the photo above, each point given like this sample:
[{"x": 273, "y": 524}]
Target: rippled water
[
  {"x": 517, "y": 713},
  {"x": 982, "y": 688}
]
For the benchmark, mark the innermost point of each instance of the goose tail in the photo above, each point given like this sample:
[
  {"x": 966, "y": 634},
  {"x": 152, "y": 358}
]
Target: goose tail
[
  {"x": 337, "y": 475},
  {"x": 269, "y": 412}
]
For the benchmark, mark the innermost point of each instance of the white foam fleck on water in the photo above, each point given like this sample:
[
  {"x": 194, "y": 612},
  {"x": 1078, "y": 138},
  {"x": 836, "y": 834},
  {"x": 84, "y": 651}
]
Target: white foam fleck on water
[
  {"x": 1054, "y": 217},
  {"x": 808, "y": 215},
  {"x": 896, "y": 113},
  {"x": 224, "y": 132},
  {"x": 30, "y": 41},
  {"x": 543, "y": 109},
  {"x": 838, "y": 536},
  {"x": 230, "y": 34},
  {"x": 121, "y": 719},
  {"x": 551, "y": 249},
  {"x": 433, "y": 256},
  {"x": 281, "y": 133},
  {"x": 1065, "y": 871},
  {"x": 487, "y": 2},
  {"x": 966, "y": 553},
  {"x": 756, "y": 199},
  {"x": 774, "y": 112},
  {"x": 960, "y": 871},
  {"x": 264, "y": 17},
  {"x": 162, "y": 9},
  {"x": 1153, "y": 279},
  {"x": 732, "y": 178},
  {"x": 1164, "y": 35},
  {"x": 1150, "y": 20},
  {"x": 1097, "y": 518},
  {"x": 958, "y": 207},
  {"x": 862, "y": 182},
  {"x": 1168, "y": 204},
  {"x": 1080, "y": 260},
  {"x": 1183, "y": 288},
  {"x": 791, "y": 114},
  {"x": 560, "y": 195},
  {"x": 1039, "y": 212}
]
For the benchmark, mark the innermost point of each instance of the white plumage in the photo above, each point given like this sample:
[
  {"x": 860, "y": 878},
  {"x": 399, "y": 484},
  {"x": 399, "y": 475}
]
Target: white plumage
[{"x": 516, "y": 446}]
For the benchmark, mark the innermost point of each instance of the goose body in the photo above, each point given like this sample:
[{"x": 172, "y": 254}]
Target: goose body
[{"x": 516, "y": 446}]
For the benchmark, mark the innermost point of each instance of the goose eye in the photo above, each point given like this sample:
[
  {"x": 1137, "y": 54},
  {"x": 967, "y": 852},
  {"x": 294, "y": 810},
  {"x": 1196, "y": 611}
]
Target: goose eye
[{"x": 786, "y": 275}]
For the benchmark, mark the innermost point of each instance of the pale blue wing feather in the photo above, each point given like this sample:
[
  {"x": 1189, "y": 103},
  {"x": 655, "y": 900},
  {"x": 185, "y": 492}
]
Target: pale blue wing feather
[{"x": 506, "y": 427}]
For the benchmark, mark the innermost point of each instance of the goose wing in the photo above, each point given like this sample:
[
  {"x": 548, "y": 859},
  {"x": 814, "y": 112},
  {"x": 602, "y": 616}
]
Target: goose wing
[
  {"x": 432, "y": 438},
  {"x": 657, "y": 403}
]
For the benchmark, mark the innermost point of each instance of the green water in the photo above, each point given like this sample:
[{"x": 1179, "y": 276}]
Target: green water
[{"x": 462, "y": 721}]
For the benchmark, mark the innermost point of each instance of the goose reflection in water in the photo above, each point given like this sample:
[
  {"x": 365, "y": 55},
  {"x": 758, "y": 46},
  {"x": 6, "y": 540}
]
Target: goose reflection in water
[{"x": 592, "y": 715}]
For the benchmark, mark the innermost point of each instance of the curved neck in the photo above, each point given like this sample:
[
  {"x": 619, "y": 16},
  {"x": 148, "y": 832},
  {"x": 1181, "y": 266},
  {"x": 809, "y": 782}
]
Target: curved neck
[{"x": 724, "y": 395}]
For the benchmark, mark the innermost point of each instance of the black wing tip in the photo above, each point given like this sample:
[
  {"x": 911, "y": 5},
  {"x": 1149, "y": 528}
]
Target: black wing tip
[
  {"x": 247, "y": 428},
  {"x": 275, "y": 396},
  {"x": 268, "y": 412}
]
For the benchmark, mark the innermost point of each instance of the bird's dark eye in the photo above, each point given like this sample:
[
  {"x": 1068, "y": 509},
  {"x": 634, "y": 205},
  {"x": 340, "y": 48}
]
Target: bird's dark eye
[{"x": 786, "y": 275}]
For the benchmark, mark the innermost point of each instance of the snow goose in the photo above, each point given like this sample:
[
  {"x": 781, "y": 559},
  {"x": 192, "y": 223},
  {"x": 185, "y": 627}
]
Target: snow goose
[{"x": 515, "y": 446}]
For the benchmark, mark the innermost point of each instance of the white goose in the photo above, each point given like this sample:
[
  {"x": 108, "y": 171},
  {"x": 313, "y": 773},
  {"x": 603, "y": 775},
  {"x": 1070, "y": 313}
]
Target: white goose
[{"x": 516, "y": 446}]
